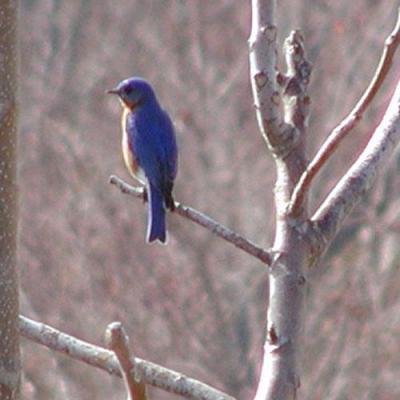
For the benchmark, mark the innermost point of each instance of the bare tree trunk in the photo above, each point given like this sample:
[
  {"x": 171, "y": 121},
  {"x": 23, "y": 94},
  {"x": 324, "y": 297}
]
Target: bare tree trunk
[
  {"x": 9, "y": 333},
  {"x": 285, "y": 137},
  {"x": 282, "y": 106}
]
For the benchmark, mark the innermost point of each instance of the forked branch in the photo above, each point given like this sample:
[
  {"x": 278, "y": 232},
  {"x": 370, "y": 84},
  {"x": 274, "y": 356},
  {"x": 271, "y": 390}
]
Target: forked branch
[
  {"x": 350, "y": 122},
  {"x": 99, "y": 357},
  {"x": 329, "y": 217}
]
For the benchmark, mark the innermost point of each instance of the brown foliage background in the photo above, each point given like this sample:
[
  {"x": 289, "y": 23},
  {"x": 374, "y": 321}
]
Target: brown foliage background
[{"x": 197, "y": 305}]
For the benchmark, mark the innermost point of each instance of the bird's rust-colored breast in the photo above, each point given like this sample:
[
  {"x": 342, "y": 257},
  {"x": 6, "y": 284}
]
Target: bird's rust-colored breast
[{"x": 128, "y": 150}]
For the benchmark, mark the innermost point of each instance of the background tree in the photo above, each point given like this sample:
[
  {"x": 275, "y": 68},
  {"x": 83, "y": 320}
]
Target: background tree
[
  {"x": 198, "y": 305},
  {"x": 9, "y": 336}
]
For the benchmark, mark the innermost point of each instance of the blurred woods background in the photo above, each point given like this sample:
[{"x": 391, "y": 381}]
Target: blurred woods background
[{"x": 197, "y": 305}]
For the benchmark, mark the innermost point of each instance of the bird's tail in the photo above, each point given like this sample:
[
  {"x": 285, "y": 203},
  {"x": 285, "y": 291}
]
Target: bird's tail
[{"x": 156, "y": 227}]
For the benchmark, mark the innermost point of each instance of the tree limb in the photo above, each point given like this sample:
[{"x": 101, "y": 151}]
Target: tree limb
[
  {"x": 328, "y": 219},
  {"x": 204, "y": 221},
  {"x": 118, "y": 341},
  {"x": 351, "y": 121},
  {"x": 263, "y": 76},
  {"x": 106, "y": 360}
]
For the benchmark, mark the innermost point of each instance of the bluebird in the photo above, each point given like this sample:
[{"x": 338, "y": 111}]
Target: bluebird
[{"x": 149, "y": 150}]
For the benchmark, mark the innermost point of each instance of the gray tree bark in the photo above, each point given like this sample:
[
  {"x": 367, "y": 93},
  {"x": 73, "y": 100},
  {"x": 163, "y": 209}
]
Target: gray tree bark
[{"x": 9, "y": 333}]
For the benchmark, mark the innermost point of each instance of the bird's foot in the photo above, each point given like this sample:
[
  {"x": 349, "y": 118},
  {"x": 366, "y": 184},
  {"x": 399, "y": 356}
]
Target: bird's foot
[
  {"x": 145, "y": 195},
  {"x": 170, "y": 203}
]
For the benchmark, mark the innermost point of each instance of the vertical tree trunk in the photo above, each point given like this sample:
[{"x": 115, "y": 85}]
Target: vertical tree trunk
[{"x": 9, "y": 334}]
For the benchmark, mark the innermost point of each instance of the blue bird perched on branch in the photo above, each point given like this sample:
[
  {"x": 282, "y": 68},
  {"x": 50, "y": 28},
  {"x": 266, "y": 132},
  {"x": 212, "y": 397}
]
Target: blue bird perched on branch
[{"x": 149, "y": 150}]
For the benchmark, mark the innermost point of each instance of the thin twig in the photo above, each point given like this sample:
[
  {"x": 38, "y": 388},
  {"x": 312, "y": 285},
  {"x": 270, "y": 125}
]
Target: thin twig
[
  {"x": 328, "y": 219},
  {"x": 118, "y": 341},
  {"x": 203, "y": 220},
  {"x": 348, "y": 124},
  {"x": 150, "y": 373}
]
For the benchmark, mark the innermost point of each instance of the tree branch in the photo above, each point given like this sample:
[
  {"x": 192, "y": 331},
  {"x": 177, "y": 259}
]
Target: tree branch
[
  {"x": 329, "y": 217},
  {"x": 118, "y": 341},
  {"x": 351, "y": 121},
  {"x": 263, "y": 73},
  {"x": 286, "y": 139},
  {"x": 99, "y": 357},
  {"x": 204, "y": 221}
]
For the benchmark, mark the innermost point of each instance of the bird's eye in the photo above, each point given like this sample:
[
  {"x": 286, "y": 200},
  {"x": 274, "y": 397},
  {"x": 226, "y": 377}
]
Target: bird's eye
[{"x": 128, "y": 90}]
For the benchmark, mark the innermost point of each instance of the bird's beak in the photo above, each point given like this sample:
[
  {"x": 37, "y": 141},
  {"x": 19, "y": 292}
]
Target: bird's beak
[{"x": 113, "y": 91}]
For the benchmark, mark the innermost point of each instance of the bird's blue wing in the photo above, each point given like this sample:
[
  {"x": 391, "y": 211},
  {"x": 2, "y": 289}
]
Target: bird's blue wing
[
  {"x": 153, "y": 139},
  {"x": 169, "y": 146}
]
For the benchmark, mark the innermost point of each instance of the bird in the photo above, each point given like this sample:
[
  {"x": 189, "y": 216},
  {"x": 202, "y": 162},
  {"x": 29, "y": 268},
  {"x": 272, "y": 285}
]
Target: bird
[{"x": 149, "y": 150}]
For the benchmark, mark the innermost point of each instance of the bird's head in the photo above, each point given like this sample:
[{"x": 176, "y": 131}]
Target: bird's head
[{"x": 133, "y": 92}]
